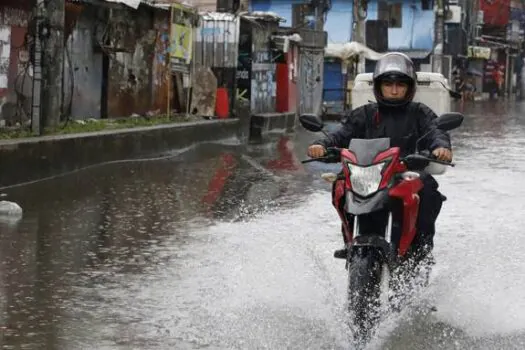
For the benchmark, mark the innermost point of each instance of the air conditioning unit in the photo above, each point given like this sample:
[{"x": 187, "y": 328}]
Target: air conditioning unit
[{"x": 453, "y": 15}]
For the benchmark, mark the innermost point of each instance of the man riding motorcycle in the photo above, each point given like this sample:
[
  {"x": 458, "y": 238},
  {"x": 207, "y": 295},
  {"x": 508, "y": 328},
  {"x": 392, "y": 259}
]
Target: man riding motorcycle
[{"x": 404, "y": 122}]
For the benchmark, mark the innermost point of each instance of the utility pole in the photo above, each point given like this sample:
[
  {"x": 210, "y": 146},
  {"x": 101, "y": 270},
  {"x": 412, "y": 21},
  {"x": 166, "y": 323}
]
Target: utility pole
[
  {"x": 437, "y": 61},
  {"x": 360, "y": 12},
  {"x": 52, "y": 63},
  {"x": 36, "y": 104},
  {"x": 320, "y": 8}
]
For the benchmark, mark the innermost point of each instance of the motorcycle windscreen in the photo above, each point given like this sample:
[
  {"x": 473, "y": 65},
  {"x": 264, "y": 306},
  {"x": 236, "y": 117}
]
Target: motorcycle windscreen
[{"x": 366, "y": 150}]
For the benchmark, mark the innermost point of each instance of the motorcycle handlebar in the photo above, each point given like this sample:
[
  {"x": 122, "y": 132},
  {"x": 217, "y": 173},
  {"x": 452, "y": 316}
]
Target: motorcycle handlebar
[
  {"x": 311, "y": 160},
  {"x": 429, "y": 158},
  {"x": 333, "y": 152}
]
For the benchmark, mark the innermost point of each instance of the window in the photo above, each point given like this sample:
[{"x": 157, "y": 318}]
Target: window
[
  {"x": 392, "y": 13},
  {"x": 426, "y": 5}
]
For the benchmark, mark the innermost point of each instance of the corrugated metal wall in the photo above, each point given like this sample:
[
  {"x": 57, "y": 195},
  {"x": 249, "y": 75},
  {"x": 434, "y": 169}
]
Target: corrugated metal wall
[
  {"x": 311, "y": 80},
  {"x": 217, "y": 41},
  {"x": 217, "y": 47},
  {"x": 83, "y": 69},
  {"x": 263, "y": 69}
]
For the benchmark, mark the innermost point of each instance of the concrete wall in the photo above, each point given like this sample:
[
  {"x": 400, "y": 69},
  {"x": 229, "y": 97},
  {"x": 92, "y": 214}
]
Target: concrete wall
[{"x": 35, "y": 158}]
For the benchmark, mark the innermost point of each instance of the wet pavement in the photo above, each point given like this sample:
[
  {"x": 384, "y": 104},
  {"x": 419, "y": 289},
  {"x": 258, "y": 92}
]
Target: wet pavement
[{"x": 230, "y": 247}]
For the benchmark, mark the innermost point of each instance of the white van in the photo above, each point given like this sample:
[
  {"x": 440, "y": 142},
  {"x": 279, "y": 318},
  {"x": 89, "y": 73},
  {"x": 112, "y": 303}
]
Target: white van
[{"x": 432, "y": 90}]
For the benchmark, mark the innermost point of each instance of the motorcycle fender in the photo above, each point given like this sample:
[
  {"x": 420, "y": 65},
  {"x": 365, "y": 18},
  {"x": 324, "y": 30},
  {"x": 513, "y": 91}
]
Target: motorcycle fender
[{"x": 357, "y": 206}]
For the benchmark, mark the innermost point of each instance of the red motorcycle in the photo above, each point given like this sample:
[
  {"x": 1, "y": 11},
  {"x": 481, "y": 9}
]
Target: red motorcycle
[{"x": 376, "y": 197}]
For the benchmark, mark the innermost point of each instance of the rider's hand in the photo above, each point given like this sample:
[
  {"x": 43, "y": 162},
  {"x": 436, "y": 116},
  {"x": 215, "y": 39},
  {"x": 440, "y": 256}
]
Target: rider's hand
[
  {"x": 443, "y": 154},
  {"x": 316, "y": 151}
]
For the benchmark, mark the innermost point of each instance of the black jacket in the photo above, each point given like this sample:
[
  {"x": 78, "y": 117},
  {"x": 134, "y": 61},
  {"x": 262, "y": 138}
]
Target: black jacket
[{"x": 403, "y": 125}]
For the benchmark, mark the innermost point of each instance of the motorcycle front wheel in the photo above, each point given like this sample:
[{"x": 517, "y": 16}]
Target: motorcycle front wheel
[{"x": 366, "y": 271}]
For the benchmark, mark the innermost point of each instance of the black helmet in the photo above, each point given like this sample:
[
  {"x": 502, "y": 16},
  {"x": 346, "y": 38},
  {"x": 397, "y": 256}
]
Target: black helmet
[{"x": 398, "y": 67}]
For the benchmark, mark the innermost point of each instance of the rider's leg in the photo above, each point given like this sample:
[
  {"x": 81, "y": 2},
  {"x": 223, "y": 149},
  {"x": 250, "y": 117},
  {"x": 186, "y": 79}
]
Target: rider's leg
[
  {"x": 341, "y": 253},
  {"x": 430, "y": 205}
]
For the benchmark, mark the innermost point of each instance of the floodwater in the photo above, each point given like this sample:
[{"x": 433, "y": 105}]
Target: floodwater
[{"x": 224, "y": 246}]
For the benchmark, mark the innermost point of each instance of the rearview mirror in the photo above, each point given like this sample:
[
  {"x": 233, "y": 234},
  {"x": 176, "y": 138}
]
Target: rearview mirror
[
  {"x": 311, "y": 122},
  {"x": 450, "y": 121}
]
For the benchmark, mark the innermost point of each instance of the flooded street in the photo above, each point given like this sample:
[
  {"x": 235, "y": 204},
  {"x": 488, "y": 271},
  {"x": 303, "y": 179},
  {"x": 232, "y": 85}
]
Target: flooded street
[{"x": 224, "y": 246}]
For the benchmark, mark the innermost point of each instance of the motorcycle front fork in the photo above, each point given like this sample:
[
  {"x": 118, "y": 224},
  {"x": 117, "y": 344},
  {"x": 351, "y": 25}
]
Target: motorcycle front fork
[{"x": 351, "y": 228}]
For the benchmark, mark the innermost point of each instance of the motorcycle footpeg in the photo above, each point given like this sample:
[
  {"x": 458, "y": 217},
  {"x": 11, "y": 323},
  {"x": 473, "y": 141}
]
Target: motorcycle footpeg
[{"x": 341, "y": 253}]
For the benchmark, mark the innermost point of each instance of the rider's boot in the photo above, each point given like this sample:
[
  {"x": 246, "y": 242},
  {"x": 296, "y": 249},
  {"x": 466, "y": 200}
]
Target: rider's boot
[{"x": 342, "y": 253}]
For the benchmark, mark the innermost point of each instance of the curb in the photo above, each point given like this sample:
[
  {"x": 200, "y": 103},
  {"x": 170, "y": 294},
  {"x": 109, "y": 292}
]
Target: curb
[{"x": 29, "y": 159}]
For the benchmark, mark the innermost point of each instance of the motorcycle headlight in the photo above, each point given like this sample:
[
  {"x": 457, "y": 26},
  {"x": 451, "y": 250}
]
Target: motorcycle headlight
[{"x": 365, "y": 180}]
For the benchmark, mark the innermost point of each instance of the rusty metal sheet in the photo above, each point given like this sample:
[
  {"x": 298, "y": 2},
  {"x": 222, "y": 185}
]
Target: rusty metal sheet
[{"x": 130, "y": 66}]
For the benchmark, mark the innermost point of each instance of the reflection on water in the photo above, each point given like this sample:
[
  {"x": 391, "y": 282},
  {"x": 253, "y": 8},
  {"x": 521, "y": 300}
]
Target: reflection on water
[{"x": 87, "y": 228}]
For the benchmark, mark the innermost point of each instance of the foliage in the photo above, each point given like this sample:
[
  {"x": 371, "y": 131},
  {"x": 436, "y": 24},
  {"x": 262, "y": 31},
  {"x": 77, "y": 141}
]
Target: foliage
[{"x": 94, "y": 125}]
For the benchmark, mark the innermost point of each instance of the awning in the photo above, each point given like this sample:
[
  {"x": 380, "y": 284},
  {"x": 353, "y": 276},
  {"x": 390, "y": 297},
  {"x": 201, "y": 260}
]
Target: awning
[{"x": 346, "y": 51}]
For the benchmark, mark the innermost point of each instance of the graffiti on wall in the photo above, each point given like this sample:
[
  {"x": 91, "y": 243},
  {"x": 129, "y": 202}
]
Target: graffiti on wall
[{"x": 5, "y": 52}]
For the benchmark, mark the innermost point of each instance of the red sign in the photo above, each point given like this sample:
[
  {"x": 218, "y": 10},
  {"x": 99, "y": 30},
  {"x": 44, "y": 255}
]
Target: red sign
[{"x": 495, "y": 12}]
